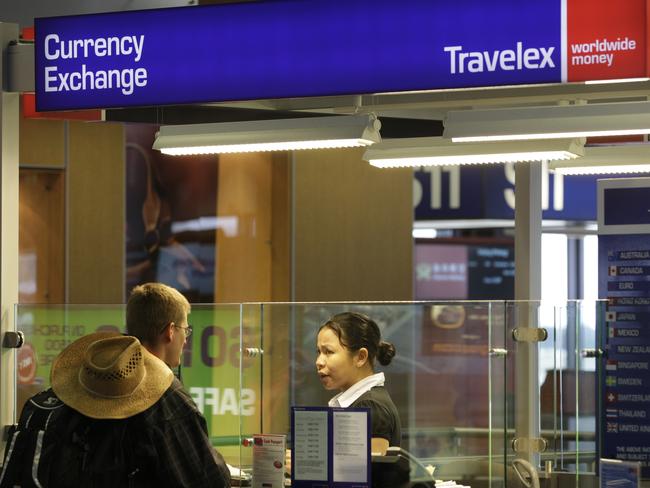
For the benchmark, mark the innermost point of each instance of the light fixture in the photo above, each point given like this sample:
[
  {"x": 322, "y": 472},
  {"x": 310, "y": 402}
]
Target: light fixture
[
  {"x": 622, "y": 158},
  {"x": 269, "y": 135},
  {"x": 428, "y": 233},
  {"x": 616, "y": 80},
  {"x": 433, "y": 151},
  {"x": 559, "y": 121}
]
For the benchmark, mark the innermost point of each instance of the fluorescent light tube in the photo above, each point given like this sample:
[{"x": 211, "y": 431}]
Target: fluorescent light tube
[
  {"x": 435, "y": 151},
  {"x": 549, "y": 122},
  {"x": 428, "y": 233},
  {"x": 616, "y": 80},
  {"x": 615, "y": 159},
  {"x": 269, "y": 135}
]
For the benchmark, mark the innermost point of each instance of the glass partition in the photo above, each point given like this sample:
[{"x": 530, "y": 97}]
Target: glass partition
[
  {"x": 458, "y": 378},
  {"x": 568, "y": 385},
  {"x": 48, "y": 329},
  {"x": 448, "y": 378},
  {"x": 565, "y": 387},
  {"x": 210, "y": 369}
]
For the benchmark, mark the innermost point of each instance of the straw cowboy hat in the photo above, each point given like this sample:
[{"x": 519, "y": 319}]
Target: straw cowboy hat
[{"x": 107, "y": 375}]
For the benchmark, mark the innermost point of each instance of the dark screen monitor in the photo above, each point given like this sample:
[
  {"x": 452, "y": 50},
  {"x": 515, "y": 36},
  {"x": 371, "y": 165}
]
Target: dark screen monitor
[{"x": 464, "y": 270}]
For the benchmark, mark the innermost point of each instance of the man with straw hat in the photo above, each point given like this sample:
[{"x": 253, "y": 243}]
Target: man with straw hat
[{"x": 121, "y": 403}]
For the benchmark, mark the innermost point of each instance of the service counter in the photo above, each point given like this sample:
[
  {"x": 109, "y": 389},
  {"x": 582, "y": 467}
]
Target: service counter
[{"x": 453, "y": 377}]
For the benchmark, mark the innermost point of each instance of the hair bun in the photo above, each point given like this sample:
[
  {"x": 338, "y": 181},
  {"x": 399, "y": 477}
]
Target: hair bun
[{"x": 385, "y": 353}]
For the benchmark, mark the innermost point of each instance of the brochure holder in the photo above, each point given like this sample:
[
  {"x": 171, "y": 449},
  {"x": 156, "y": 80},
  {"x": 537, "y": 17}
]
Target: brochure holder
[
  {"x": 619, "y": 474},
  {"x": 330, "y": 447}
]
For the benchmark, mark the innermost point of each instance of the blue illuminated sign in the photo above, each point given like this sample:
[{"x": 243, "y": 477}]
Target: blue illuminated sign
[
  {"x": 292, "y": 48},
  {"x": 624, "y": 280},
  {"x": 488, "y": 192}
]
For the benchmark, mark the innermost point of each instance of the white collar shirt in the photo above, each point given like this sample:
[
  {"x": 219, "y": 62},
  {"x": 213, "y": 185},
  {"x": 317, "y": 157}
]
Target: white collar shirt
[{"x": 349, "y": 396}]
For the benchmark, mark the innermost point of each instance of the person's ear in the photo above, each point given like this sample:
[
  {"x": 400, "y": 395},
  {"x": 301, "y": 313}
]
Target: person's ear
[
  {"x": 362, "y": 357},
  {"x": 168, "y": 332}
]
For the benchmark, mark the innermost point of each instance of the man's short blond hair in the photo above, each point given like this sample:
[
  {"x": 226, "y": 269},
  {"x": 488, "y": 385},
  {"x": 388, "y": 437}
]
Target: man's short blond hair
[{"x": 151, "y": 307}]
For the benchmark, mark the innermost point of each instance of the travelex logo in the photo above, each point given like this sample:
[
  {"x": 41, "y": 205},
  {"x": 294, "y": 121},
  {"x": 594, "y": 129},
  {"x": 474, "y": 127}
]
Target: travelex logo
[
  {"x": 517, "y": 59},
  {"x": 126, "y": 80}
]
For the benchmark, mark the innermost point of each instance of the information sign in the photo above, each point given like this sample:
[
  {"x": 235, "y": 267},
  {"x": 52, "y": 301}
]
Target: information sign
[
  {"x": 331, "y": 447},
  {"x": 624, "y": 280},
  {"x": 297, "y": 48},
  {"x": 488, "y": 192}
]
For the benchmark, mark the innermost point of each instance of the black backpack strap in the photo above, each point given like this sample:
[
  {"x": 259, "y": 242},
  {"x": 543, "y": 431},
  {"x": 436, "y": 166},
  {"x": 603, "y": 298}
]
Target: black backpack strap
[
  {"x": 10, "y": 449},
  {"x": 47, "y": 409},
  {"x": 23, "y": 456}
]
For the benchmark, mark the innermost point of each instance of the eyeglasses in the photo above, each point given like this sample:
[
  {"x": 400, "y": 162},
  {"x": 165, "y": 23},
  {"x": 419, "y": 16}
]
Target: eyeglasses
[{"x": 187, "y": 330}]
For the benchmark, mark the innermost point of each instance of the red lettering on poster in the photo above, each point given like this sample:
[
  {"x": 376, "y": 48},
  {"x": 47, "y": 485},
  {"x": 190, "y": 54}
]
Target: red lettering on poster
[{"x": 606, "y": 40}]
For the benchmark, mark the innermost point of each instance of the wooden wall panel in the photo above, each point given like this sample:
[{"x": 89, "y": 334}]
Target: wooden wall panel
[
  {"x": 96, "y": 213},
  {"x": 243, "y": 260},
  {"x": 42, "y": 236},
  {"x": 353, "y": 226},
  {"x": 42, "y": 143},
  {"x": 280, "y": 228}
]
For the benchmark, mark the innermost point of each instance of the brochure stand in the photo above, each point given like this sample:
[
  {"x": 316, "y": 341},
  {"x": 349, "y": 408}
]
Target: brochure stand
[
  {"x": 331, "y": 447},
  {"x": 268, "y": 460}
]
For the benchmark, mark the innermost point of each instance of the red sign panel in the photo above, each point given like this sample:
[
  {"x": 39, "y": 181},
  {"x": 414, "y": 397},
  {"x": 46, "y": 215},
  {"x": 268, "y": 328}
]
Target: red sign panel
[{"x": 606, "y": 40}]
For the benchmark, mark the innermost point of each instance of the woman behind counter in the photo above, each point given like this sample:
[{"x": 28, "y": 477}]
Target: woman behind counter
[{"x": 347, "y": 346}]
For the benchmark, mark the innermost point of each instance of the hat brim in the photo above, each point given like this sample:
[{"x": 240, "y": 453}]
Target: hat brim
[{"x": 64, "y": 378}]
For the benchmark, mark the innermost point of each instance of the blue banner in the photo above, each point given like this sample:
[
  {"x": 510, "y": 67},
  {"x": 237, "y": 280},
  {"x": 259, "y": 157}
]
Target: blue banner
[
  {"x": 292, "y": 48},
  {"x": 488, "y": 192}
]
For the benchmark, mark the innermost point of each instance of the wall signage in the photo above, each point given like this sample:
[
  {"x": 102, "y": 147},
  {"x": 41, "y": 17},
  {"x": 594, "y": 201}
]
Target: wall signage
[
  {"x": 298, "y": 48},
  {"x": 624, "y": 279},
  {"x": 488, "y": 192}
]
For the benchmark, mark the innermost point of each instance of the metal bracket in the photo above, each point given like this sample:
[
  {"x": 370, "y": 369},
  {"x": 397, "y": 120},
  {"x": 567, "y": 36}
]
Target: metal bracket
[
  {"x": 498, "y": 352},
  {"x": 591, "y": 353},
  {"x": 13, "y": 339},
  {"x": 20, "y": 67},
  {"x": 523, "y": 444},
  {"x": 253, "y": 352},
  {"x": 529, "y": 334}
]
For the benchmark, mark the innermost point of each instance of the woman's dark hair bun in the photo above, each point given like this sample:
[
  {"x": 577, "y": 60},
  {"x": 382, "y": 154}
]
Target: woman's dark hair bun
[{"x": 385, "y": 353}]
